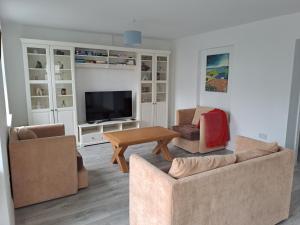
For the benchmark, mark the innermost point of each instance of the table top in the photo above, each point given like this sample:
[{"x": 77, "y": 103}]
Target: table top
[{"x": 140, "y": 135}]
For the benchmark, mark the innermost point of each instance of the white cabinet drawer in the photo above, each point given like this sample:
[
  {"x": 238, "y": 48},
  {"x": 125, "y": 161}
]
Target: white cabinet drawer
[{"x": 91, "y": 138}]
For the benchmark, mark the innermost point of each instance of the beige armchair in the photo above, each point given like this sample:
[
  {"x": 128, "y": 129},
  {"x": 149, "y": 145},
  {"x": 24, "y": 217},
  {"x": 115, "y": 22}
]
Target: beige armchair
[
  {"x": 46, "y": 167},
  {"x": 185, "y": 116}
]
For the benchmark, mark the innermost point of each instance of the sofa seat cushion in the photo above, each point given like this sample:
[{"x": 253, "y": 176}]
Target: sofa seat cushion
[
  {"x": 250, "y": 154},
  {"x": 188, "y": 131},
  {"x": 25, "y": 134},
  {"x": 183, "y": 167}
]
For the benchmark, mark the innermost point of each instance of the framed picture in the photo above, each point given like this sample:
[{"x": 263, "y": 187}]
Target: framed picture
[{"x": 215, "y": 69}]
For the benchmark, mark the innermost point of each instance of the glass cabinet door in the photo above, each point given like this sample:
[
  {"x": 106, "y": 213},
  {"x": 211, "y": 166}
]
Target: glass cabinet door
[
  {"x": 146, "y": 92},
  {"x": 146, "y": 68},
  {"x": 63, "y": 79},
  {"x": 161, "y": 78},
  {"x": 39, "y": 85},
  {"x": 146, "y": 78},
  {"x": 161, "y": 68},
  {"x": 161, "y": 92}
]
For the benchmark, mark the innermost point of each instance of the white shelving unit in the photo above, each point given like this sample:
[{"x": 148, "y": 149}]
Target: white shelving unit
[
  {"x": 91, "y": 134},
  {"x": 52, "y": 105},
  {"x": 154, "y": 73},
  {"x": 50, "y": 86},
  {"x": 105, "y": 58}
]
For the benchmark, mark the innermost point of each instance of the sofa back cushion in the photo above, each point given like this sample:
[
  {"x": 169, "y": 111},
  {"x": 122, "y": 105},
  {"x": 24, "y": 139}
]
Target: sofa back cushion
[
  {"x": 250, "y": 154},
  {"x": 244, "y": 144},
  {"x": 183, "y": 167},
  {"x": 13, "y": 135},
  {"x": 25, "y": 133}
]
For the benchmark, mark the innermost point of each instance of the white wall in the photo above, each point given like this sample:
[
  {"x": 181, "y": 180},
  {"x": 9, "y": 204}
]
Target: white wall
[
  {"x": 103, "y": 80},
  {"x": 260, "y": 80},
  {"x": 6, "y": 205},
  {"x": 14, "y": 61}
]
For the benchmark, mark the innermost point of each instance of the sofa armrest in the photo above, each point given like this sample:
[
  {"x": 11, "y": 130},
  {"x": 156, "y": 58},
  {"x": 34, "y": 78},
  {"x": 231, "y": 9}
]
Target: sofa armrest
[
  {"x": 48, "y": 130},
  {"x": 43, "y": 169},
  {"x": 185, "y": 116},
  {"x": 150, "y": 194}
]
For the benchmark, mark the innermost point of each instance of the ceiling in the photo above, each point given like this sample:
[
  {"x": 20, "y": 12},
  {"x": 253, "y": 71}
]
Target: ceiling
[{"x": 167, "y": 19}]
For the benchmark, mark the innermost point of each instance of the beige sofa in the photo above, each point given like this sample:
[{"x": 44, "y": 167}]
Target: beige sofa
[
  {"x": 185, "y": 116},
  {"x": 46, "y": 167},
  {"x": 253, "y": 192}
]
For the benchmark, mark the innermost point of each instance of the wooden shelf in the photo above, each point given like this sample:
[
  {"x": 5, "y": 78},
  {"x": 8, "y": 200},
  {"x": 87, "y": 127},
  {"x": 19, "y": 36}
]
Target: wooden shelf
[
  {"x": 61, "y": 96},
  {"x": 36, "y": 54},
  {"x": 91, "y": 56},
  {"x": 105, "y": 66},
  {"x": 62, "y": 56},
  {"x": 38, "y": 81},
  {"x": 114, "y": 58},
  {"x": 36, "y": 96},
  {"x": 122, "y": 57},
  {"x": 90, "y": 134},
  {"x": 91, "y": 65},
  {"x": 59, "y": 70},
  {"x": 37, "y": 68},
  {"x": 121, "y": 66},
  {"x": 63, "y": 82}
]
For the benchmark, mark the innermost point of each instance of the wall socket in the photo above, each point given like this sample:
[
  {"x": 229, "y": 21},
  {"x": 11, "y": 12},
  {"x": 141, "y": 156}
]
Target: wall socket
[{"x": 263, "y": 136}]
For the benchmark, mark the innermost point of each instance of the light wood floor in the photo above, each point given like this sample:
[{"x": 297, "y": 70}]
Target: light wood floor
[{"x": 105, "y": 202}]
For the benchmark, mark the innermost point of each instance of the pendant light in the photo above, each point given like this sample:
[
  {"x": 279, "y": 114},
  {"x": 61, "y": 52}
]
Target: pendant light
[{"x": 132, "y": 37}]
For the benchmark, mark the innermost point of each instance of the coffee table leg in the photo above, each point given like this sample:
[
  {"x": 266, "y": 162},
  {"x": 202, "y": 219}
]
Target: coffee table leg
[
  {"x": 166, "y": 153},
  {"x": 162, "y": 147},
  {"x": 114, "y": 157},
  {"x": 118, "y": 157},
  {"x": 157, "y": 148}
]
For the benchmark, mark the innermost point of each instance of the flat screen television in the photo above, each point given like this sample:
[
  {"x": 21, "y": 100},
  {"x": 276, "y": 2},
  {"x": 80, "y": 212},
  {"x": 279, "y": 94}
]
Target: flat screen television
[{"x": 108, "y": 105}]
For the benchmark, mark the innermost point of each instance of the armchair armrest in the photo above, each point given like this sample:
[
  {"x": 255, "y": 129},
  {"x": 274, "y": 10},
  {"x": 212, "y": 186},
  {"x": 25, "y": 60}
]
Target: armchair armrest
[
  {"x": 185, "y": 116},
  {"x": 43, "y": 169},
  {"x": 150, "y": 193},
  {"x": 202, "y": 142},
  {"x": 48, "y": 130}
]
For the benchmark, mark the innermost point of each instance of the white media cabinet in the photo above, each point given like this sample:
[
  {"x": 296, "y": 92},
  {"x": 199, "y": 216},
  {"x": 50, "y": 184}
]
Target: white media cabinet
[
  {"x": 91, "y": 134},
  {"x": 52, "y": 67}
]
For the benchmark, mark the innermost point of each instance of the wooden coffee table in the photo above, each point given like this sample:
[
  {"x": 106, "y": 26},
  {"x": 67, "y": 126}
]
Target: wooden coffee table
[{"x": 120, "y": 140}]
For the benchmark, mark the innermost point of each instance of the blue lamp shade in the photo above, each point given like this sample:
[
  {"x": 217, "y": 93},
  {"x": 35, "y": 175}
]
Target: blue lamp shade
[{"x": 132, "y": 37}]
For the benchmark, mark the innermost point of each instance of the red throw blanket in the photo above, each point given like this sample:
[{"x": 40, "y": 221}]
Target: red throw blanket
[{"x": 216, "y": 128}]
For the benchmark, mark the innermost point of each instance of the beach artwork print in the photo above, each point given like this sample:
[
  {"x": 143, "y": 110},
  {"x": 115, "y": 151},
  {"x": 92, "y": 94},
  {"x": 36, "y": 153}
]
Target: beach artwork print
[{"x": 217, "y": 69}]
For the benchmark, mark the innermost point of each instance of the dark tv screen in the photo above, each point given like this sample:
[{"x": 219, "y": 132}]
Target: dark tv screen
[{"x": 108, "y": 105}]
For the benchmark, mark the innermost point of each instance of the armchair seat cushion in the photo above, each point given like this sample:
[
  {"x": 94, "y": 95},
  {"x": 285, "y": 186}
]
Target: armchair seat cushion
[{"x": 188, "y": 131}]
